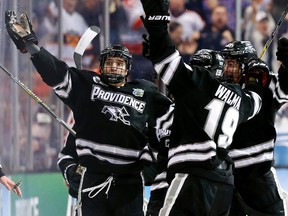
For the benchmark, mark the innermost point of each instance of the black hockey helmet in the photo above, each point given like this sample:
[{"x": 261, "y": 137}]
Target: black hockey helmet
[
  {"x": 210, "y": 59},
  {"x": 239, "y": 50},
  {"x": 115, "y": 50}
]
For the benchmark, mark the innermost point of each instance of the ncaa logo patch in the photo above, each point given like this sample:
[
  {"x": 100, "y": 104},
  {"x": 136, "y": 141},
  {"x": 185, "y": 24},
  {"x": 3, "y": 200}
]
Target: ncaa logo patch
[{"x": 138, "y": 92}]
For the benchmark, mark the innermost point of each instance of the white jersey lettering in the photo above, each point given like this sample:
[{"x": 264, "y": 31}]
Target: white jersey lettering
[
  {"x": 98, "y": 93},
  {"x": 228, "y": 96}
]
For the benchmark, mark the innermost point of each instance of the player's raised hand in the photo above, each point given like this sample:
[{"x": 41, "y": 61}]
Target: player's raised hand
[
  {"x": 155, "y": 7},
  {"x": 20, "y": 32}
]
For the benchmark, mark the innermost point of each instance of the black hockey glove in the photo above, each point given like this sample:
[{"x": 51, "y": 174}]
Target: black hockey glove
[
  {"x": 202, "y": 57},
  {"x": 210, "y": 59},
  {"x": 72, "y": 177},
  {"x": 20, "y": 32},
  {"x": 156, "y": 8},
  {"x": 146, "y": 46},
  {"x": 157, "y": 15},
  {"x": 257, "y": 71},
  {"x": 282, "y": 51}
]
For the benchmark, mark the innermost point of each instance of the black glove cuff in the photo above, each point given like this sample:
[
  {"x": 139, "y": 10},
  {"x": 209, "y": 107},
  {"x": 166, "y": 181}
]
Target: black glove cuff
[{"x": 30, "y": 38}]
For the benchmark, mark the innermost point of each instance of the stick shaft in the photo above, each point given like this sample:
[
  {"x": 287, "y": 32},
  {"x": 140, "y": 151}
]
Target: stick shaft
[
  {"x": 271, "y": 38},
  {"x": 37, "y": 99}
]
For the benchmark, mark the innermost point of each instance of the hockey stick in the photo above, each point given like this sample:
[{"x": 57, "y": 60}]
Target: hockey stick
[
  {"x": 271, "y": 38},
  {"x": 83, "y": 43},
  {"x": 38, "y": 100}
]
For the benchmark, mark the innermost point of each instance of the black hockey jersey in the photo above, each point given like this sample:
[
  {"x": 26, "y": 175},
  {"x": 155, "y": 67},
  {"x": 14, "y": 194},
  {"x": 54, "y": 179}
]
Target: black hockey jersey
[
  {"x": 112, "y": 124},
  {"x": 253, "y": 143},
  {"x": 207, "y": 112}
]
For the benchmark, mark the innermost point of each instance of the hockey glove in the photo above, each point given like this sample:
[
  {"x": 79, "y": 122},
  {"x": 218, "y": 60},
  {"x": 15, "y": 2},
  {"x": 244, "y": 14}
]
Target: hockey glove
[
  {"x": 202, "y": 57},
  {"x": 72, "y": 177},
  {"x": 20, "y": 32},
  {"x": 257, "y": 71},
  {"x": 210, "y": 59},
  {"x": 157, "y": 15},
  {"x": 282, "y": 51},
  {"x": 146, "y": 46},
  {"x": 157, "y": 9}
]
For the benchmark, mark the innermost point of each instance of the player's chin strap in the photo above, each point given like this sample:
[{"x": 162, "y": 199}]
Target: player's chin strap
[{"x": 77, "y": 210}]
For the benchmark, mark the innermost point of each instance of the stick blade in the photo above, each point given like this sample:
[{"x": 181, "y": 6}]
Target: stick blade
[{"x": 83, "y": 43}]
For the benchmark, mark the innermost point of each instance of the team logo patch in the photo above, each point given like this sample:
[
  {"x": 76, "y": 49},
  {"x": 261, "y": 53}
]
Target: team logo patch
[
  {"x": 96, "y": 79},
  {"x": 138, "y": 92},
  {"x": 116, "y": 113}
]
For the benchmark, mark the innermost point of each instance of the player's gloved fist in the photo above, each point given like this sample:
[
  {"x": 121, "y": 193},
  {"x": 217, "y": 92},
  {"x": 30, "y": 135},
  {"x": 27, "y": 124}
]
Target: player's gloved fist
[
  {"x": 210, "y": 59},
  {"x": 20, "y": 32},
  {"x": 257, "y": 71},
  {"x": 282, "y": 51},
  {"x": 157, "y": 15},
  {"x": 202, "y": 57},
  {"x": 146, "y": 46},
  {"x": 155, "y": 7},
  {"x": 73, "y": 177}
]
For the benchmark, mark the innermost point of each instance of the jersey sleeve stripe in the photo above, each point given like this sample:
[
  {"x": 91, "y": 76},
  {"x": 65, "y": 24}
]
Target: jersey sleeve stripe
[
  {"x": 267, "y": 156},
  {"x": 167, "y": 72},
  {"x": 64, "y": 88},
  {"x": 251, "y": 150},
  {"x": 257, "y": 103},
  {"x": 193, "y": 147},
  {"x": 191, "y": 157}
]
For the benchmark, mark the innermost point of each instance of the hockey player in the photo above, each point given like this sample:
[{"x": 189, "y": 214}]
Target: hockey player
[
  {"x": 9, "y": 184},
  {"x": 159, "y": 186},
  {"x": 214, "y": 62},
  {"x": 114, "y": 120},
  {"x": 257, "y": 189},
  {"x": 206, "y": 115}
]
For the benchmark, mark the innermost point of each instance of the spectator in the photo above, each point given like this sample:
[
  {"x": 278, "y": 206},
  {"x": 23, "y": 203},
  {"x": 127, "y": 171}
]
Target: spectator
[
  {"x": 197, "y": 6},
  {"x": 73, "y": 26},
  {"x": 176, "y": 31},
  {"x": 185, "y": 48},
  {"x": 249, "y": 17},
  {"x": 191, "y": 21},
  {"x": 131, "y": 38},
  {"x": 91, "y": 12},
  {"x": 42, "y": 142},
  {"x": 217, "y": 34},
  {"x": 260, "y": 35}
]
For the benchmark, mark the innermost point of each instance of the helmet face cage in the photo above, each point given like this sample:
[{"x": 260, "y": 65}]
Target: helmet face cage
[{"x": 115, "y": 51}]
